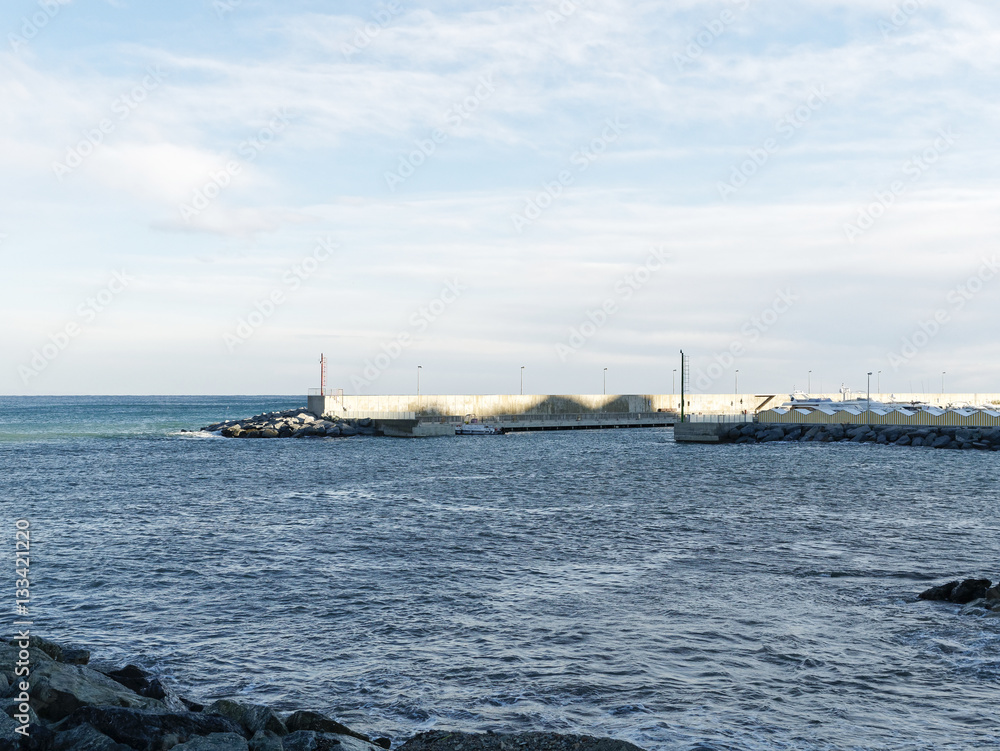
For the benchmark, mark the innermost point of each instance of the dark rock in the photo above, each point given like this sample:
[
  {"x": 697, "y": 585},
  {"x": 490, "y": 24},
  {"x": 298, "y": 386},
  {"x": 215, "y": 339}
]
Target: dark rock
[
  {"x": 52, "y": 649},
  {"x": 269, "y": 433},
  {"x": 441, "y": 740},
  {"x": 251, "y": 717},
  {"x": 149, "y": 730},
  {"x": 308, "y": 740},
  {"x": 969, "y": 590},
  {"x": 939, "y": 593},
  {"x": 192, "y": 706},
  {"x": 84, "y": 738},
  {"x": 214, "y": 742},
  {"x": 981, "y": 445},
  {"x": 940, "y": 443},
  {"x": 316, "y": 722},
  {"x": 265, "y": 741},
  {"x": 904, "y": 441},
  {"x": 137, "y": 679},
  {"x": 382, "y": 742},
  {"x": 747, "y": 430},
  {"x": 348, "y": 430},
  {"x": 773, "y": 434},
  {"x": 993, "y": 593},
  {"x": 76, "y": 656},
  {"x": 59, "y": 690},
  {"x": 918, "y": 441}
]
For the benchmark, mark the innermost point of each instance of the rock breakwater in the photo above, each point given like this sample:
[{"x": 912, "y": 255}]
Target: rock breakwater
[
  {"x": 975, "y": 592},
  {"x": 983, "y": 439},
  {"x": 292, "y": 423},
  {"x": 68, "y": 705}
]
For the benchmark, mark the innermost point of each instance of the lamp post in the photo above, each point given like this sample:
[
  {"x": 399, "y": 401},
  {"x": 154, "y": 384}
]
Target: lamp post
[
  {"x": 736, "y": 385},
  {"x": 869, "y": 389},
  {"x": 605, "y": 381},
  {"x": 418, "y": 381},
  {"x": 809, "y": 383},
  {"x": 942, "y": 382},
  {"x": 878, "y": 381},
  {"x": 673, "y": 382},
  {"x": 522, "y": 380}
]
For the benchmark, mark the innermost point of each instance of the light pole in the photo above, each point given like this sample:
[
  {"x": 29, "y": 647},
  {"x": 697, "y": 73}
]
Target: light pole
[
  {"x": 869, "y": 389},
  {"x": 522, "y": 380},
  {"x": 942, "y": 382},
  {"x": 736, "y": 386},
  {"x": 878, "y": 381},
  {"x": 809, "y": 383},
  {"x": 605, "y": 381},
  {"x": 673, "y": 382},
  {"x": 418, "y": 381}
]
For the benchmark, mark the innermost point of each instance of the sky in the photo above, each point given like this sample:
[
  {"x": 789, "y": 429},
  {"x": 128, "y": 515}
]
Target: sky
[{"x": 202, "y": 197}]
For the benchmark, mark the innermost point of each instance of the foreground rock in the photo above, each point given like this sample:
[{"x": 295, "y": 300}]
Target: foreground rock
[
  {"x": 983, "y": 439},
  {"x": 73, "y": 707},
  {"x": 292, "y": 423},
  {"x": 965, "y": 592}
]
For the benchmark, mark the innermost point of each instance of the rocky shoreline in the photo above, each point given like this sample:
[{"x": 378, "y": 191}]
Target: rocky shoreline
[
  {"x": 292, "y": 423},
  {"x": 983, "y": 439},
  {"x": 64, "y": 704}
]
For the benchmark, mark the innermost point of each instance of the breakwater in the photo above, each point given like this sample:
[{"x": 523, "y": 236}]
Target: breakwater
[
  {"x": 985, "y": 439},
  {"x": 66, "y": 704}
]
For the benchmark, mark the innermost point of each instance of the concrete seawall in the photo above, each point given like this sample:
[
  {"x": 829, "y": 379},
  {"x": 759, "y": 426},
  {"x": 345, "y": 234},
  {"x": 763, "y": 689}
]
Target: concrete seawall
[{"x": 486, "y": 405}]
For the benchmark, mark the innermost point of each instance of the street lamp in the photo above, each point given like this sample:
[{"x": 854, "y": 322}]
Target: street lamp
[
  {"x": 736, "y": 386},
  {"x": 673, "y": 382},
  {"x": 605, "y": 381},
  {"x": 942, "y": 382},
  {"x": 418, "y": 380},
  {"x": 869, "y": 389},
  {"x": 809, "y": 383},
  {"x": 522, "y": 380},
  {"x": 878, "y": 387}
]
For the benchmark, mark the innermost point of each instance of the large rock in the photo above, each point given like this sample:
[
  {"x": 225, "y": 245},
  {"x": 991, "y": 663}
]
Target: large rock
[
  {"x": 939, "y": 593},
  {"x": 305, "y": 720},
  {"x": 960, "y": 592},
  {"x": 440, "y": 740},
  {"x": 969, "y": 590},
  {"x": 137, "y": 679},
  {"x": 147, "y": 730},
  {"x": 85, "y": 738},
  {"x": 308, "y": 740},
  {"x": 253, "y": 718},
  {"x": 214, "y": 742},
  {"x": 58, "y": 690},
  {"x": 265, "y": 741}
]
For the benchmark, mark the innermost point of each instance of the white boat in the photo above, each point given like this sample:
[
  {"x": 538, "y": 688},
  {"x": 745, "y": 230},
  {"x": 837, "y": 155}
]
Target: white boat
[{"x": 471, "y": 426}]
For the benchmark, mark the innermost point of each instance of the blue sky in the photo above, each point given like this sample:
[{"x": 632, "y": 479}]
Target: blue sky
[{"x": 775, "y": 187}]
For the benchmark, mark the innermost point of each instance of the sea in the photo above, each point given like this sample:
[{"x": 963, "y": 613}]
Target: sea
[{"x": 609, "y": 583}]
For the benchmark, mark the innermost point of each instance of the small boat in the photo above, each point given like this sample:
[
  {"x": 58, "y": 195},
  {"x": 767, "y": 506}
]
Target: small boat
[{"x": 471, "y": 426}]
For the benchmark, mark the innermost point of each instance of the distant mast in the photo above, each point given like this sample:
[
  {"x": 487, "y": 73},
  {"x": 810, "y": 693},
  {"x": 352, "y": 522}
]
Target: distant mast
[{"x": 322, "y": 375}]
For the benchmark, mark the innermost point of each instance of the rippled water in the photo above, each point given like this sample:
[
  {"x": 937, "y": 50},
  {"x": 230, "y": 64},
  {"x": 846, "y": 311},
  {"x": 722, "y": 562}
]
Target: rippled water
[{"x": 607, "y": 582}]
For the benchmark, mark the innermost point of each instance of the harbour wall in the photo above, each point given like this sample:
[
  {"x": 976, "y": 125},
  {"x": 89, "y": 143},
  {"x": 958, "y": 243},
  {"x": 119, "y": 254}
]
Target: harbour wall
[{"x": 486, "y": 405}]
